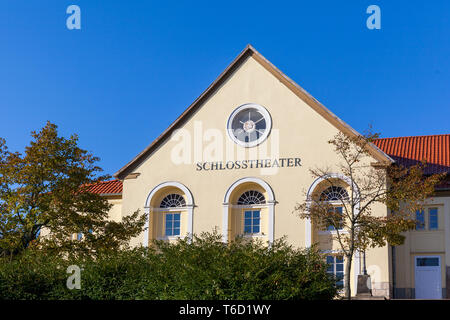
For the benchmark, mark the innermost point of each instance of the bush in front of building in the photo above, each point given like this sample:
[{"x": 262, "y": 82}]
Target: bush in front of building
[
  {"x": 209, "y": 269},
  {"x": 32, "y": 275},
  {"x": 202, "y": 269}
]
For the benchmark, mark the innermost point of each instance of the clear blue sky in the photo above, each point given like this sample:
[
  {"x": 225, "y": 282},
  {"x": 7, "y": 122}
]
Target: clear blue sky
[{"x": 136, "y": 65}]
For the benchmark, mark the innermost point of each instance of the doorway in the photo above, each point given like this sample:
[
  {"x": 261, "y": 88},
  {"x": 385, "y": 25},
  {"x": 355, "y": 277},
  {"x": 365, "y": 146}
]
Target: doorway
[{"x": 428, "y": 277}]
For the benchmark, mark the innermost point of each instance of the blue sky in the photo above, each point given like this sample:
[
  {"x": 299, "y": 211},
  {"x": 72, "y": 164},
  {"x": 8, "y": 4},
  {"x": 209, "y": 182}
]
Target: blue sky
[{"x": 136, "y": 65}]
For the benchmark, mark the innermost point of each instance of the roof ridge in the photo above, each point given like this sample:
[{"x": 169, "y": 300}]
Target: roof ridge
[
  {"x": 421, "y": 136},
  {"x": 106, "y": 181}
]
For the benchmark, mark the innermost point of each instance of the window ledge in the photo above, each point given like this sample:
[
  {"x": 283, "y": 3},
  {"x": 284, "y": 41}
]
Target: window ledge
[
  {"x": 332, "y": 232},
  {"x": 254, "y": 235},
  {"x": 169, "y": 238}
]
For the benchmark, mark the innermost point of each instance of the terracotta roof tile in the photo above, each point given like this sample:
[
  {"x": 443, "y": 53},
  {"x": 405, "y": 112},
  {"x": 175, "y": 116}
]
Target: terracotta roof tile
[
  {"x": 407, "y": 151},
  {"x": 106, "y": 187}
]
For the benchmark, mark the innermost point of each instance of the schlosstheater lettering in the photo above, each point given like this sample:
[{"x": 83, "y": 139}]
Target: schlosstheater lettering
[{"x": 249, "y": 164}]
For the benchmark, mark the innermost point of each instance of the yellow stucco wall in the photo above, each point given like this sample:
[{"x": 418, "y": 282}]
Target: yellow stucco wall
[
  {"x": 424, "y": 243},
  {"x": 115, "y": 213}
]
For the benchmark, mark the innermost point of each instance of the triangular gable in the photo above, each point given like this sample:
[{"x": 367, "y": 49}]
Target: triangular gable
[{"x": 249, "y": 51}]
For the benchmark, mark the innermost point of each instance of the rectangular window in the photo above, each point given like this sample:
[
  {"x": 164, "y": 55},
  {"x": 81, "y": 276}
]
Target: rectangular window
[
  {"x": 336, "y": 268},
  {"x": 172, "y": 224},
  {"x": 252, "y": 219},
  {"x": 420, "y": 223},
  {"x": 427, "y": 262},
  {"x": 433, "y": 219},
  {"x": 331, "y": 227}
]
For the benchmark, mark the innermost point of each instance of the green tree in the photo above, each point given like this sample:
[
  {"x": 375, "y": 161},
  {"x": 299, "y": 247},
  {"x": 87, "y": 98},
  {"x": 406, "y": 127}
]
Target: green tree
[
  {"x": 46, "y": 190},
  {"x": 402, "y": 190}
]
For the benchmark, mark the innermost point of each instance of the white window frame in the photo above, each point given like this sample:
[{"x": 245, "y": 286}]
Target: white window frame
[
  {"x": 429, "y": 218},
  {"x": 164, "y": 213},
  {"x": 333, "y": 232},
  {"x": 252, "y": 208},
  {"x": 334, "y": 255},
  {"x": 432, "y": 256},
  {"x": 426, "y": 219},
  {"x": 425, "y": 224}
]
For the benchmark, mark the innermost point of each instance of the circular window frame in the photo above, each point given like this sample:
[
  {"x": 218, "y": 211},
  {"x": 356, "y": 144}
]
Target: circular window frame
[{"x": 263, "y": 112}]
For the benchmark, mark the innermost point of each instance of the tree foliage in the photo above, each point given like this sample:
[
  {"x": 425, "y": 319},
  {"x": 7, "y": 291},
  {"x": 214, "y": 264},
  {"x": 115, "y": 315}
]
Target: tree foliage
[
  {"x": 45, "y": 190},
  {"x": 402, "y": 190},
  {"x": 205, "y": 268}
]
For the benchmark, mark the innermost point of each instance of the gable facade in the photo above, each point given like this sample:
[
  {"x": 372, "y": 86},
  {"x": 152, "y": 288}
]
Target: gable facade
[{"x": 201, "y": 175}]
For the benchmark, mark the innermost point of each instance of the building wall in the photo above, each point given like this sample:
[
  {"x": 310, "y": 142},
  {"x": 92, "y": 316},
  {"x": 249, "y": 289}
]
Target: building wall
[
  {"x": 425, "y": 243},
  {"x": 302, "y": 133},
  {"x": 115, "y": 213}
]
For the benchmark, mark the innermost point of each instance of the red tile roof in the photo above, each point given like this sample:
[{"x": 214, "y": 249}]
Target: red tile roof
[
  {"x": 407, "y": 151},
  {"x": 106, "y": 187}
]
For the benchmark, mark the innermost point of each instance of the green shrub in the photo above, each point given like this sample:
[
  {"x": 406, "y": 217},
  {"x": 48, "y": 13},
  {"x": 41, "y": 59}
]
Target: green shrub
[{"x": 203, "y": 269}]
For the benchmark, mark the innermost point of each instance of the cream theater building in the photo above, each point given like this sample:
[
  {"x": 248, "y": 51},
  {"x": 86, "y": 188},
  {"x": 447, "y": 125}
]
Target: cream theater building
[{"x": 238, "y": 160}]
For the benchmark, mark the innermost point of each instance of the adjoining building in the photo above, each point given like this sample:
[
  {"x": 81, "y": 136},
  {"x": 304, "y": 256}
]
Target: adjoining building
[{"x": 238, "y": 159}]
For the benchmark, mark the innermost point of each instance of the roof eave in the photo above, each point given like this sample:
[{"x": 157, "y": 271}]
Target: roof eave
[{"x": 121, "y": 173}]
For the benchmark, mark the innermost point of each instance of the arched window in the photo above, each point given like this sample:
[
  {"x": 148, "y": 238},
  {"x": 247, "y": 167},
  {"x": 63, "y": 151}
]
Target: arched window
[
  {"x": 251, "y": 197},
  {"x": 251, "y": 216},
  {"x": 172, "y": 220},
  {"x": 173, "y": 200},
  {"x": 334, "y": 193},
  {"x": 331, "y": 194}
]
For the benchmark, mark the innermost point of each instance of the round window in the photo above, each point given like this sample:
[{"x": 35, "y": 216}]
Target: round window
[{"x": 249, "y": 125}]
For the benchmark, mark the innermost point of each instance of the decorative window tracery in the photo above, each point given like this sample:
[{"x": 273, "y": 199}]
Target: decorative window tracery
[
  {"x": 173, "y": 200},
  {"x": 334, "y": 193},
  {"x": 251, "y": 197}
]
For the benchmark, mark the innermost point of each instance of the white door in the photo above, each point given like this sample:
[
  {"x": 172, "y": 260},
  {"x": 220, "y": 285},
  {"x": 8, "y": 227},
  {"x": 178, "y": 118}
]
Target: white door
[{"x": 428, "y": 277}]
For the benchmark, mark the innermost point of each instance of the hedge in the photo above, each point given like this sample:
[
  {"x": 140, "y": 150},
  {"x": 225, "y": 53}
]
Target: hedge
[{"x": 203, "y": 269}]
